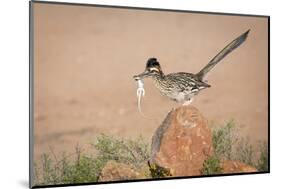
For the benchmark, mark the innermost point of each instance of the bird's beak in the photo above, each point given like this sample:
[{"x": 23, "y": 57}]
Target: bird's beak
[{"x": 142, "y": 75}]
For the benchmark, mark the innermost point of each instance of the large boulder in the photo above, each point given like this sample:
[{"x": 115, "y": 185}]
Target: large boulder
[
  {"x": 113, "y": 171},
  {"x": 231, "y": 166},
  {"x": 182, "y": 143}
]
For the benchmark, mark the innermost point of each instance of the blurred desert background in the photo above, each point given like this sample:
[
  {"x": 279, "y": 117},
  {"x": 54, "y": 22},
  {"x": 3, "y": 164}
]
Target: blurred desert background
[{"x": 85, "y": 58}]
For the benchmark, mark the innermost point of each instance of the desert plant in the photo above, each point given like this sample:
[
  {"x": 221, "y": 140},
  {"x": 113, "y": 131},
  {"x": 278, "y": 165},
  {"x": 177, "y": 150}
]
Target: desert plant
[
  {"x": 158, "y": 172},
  {"x": 262, "y": 164},
  {"x": 245, "y": 152},
  {"x": 228, "y": 145},
  {"x": 224, "y": 138},
  {"x": 211, "y": 166},
  {"x": 133, "y": 152},
  {"x": 85, "y": 168},
  {"x": 81, "y": 167}
]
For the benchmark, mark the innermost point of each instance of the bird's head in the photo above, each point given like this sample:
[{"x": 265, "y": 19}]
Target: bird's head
[{"x": 152, "y": 68}]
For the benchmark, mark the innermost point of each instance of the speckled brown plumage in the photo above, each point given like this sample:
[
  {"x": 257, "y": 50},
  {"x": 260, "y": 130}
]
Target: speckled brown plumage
[{"x": 181, "y": 86}]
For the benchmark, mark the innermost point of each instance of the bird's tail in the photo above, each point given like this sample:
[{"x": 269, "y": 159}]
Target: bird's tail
[{"x": 228, "y": 49}]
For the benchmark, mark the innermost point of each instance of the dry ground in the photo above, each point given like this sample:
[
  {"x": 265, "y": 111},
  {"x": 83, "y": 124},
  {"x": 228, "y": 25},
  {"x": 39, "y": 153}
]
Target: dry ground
[{"x": 85, "y": 58}]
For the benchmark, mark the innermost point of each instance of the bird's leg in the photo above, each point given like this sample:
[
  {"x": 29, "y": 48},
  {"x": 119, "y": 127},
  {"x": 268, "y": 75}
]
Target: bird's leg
[{"x": 186, "y": 103}]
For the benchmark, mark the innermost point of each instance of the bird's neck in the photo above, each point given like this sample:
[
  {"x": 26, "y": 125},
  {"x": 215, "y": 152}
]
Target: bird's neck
[{"x": 159, "y": 76}]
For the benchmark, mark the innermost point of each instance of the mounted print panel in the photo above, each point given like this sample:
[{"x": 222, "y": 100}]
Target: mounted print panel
[{"x": 122, "y": 94}]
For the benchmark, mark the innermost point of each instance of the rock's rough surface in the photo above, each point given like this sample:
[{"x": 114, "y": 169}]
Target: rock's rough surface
[
  {"x": 230, "y": 166},
  {"x": 113, "y": 171},
  {"x": 182, "y": 142}
]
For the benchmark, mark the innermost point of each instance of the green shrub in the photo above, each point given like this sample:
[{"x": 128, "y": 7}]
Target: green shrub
[
  {"x": 87, "y": 168},
  {"x": 132, "y": 152},
  {"x": 157, "y": 171},
  {"x": 223, "y": 139},
  {"x": 211, "y": 166},
  {"x": 245, "y": 152},
  {"x": 262, "y": 164},
  {"x": 228, "y": 146},
  {"x": 83, "y": 168}
]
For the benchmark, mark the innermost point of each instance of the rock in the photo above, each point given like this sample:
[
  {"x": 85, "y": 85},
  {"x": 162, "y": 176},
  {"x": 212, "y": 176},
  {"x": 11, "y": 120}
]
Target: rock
[
  {"x": 182, "y": 142},
  {"x": 113, "y": 171},
  {"x": 231, "y": 166}
]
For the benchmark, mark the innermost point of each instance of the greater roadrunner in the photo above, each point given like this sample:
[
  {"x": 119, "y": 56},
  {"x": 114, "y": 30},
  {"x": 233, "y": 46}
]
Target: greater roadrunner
[{"x": 181, "y": 86}]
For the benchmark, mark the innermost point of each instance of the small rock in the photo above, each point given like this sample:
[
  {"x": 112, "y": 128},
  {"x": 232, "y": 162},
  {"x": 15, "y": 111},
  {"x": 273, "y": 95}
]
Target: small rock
[
  {"x": 230, "y": 166},
  {"x": 113, "y": 171},
  {"x": 182, "y": 142}
]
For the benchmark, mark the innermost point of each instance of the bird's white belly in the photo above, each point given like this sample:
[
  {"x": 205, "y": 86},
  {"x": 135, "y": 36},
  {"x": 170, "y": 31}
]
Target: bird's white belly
[
  {"x": 179, "y": 97},
  {"x": 174, "y": 94}
]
